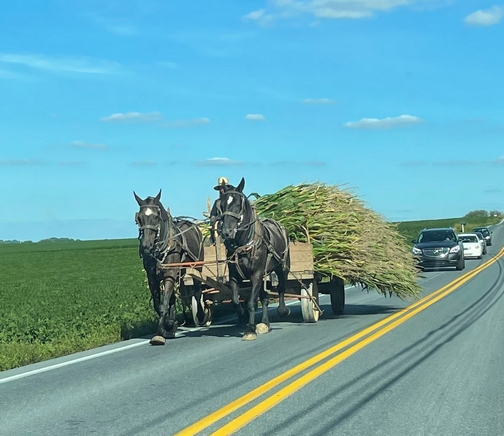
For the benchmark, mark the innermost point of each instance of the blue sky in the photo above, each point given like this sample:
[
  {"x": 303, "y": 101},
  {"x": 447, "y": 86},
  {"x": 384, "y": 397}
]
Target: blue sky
[{"x": 400, "y": 100}]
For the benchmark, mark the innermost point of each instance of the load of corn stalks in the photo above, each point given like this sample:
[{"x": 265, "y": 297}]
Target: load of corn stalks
[{"x": 349, "y": 240}]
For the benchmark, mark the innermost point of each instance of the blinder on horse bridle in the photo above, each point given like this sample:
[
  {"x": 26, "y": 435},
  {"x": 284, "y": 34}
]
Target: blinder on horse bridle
[
  {"x": 238, "y": 216},
  {"x": 141, "y": 228}
]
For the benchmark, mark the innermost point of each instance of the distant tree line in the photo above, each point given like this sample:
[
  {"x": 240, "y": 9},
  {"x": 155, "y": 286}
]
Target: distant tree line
[
  {"x": 15, "y": 241},
  {"x": 483, "y": 213}
]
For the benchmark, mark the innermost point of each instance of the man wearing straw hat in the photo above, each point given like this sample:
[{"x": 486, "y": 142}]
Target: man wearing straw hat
[{"x": 222, "y": 186}]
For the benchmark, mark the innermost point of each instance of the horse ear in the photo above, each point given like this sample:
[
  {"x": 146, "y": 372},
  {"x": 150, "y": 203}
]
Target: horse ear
[
  {"x": 241, "y": 185},
  {"x": 138, "y": 199},
  {"x": 158, "y": 197}
]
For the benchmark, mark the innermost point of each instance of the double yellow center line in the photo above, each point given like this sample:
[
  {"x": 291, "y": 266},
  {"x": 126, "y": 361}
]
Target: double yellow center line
[{"x": 364, "y": 337}]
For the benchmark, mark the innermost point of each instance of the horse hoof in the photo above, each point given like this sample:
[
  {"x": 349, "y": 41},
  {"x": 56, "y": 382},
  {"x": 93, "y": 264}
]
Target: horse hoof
[
  {"x": 283, "y": 313},
  {"x": 158, "y": 340},
  {"x": 249, "y": 337},
  {"x": 262, "y": 328}
]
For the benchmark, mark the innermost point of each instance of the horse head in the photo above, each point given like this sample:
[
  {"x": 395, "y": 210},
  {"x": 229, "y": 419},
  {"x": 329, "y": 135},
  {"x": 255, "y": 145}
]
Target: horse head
[
  {"x": 153, "y": 221},
  {"x": 236, "y": 211}
]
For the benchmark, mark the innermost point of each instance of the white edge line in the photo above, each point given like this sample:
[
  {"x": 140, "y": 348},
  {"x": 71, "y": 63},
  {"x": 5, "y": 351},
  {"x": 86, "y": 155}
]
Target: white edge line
[{"x": 70, "y": 362}]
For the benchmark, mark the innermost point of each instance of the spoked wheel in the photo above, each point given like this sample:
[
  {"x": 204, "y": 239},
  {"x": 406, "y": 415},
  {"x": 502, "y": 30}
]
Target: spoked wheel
[
  {"x": 207, "y": 320},
  {"x": 309, "y": 310}
]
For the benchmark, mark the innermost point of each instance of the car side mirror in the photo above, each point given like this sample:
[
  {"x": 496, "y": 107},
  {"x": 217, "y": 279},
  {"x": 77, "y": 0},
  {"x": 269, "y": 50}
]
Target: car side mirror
[{"x": 413, "y": 240}]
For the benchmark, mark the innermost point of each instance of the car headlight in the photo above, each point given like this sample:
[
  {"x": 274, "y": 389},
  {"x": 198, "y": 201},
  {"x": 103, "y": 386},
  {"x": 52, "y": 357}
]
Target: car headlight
[
  {"x": 455, "y": 249},
  {"x": 416, "y": 250}
]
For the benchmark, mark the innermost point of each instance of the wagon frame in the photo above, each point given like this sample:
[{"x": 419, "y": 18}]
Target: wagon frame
[{"x": 303, "y": 282}]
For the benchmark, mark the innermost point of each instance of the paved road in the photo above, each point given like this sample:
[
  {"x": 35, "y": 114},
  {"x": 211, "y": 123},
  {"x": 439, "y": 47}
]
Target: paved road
[{"x": 435, "y": 369}]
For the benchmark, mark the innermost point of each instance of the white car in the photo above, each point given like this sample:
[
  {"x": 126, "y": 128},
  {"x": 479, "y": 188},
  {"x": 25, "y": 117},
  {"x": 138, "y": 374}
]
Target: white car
[
  {"x": 483, "y": 241},
  {"x": 472, "y": 245}
]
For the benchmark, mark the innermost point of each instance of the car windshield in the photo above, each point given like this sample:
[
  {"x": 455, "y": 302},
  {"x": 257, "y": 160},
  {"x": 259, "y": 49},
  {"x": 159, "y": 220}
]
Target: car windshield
[
  {"x": 483, "y": 231},
  {"x": 469, "y": 238},
  {"x": 436, "y": 236}
]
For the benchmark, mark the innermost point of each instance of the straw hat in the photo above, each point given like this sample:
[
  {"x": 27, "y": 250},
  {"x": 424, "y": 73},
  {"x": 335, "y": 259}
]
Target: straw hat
[{"x": 221, "y": 181}]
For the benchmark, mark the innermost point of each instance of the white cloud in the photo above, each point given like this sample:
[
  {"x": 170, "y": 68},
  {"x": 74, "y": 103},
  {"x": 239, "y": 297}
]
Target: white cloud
[
  {"x": 83, "y": 65},
  {"x": 260, "y": 16},
  {"x": 318, "y": 101},
  {"x": 90, "y": 146},
  {"x": 255, "y": 15},
  {"x": 218, "y": 161},
  {"x": 255, "y": 117},
  {"x": 179, "y": 124},
  {"x": 335, "y": 9},
  {"x": 384, "y": 123},
  {"x": 133, "y": 117},
  {"x": 487, "y": 17}
]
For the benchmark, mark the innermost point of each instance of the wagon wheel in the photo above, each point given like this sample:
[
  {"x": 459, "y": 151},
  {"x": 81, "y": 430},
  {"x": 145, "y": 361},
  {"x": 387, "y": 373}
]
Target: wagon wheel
[
  {"x": 309, "y": 310},
  {"x": 207, "y": 320},
  {"x": 337, "y": 290}
]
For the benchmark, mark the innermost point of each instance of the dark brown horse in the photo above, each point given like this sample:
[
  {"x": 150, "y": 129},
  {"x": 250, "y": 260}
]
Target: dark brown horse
[
  {"x": 167, "y": 240},
  {"x": 255, "y": 248}
]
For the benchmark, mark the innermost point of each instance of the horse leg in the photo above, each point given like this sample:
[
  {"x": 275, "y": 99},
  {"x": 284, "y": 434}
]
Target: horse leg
[
  {"x": 197, "y": 295},
  {"x": 235, "y": 299},
  {"x": 282, "y": 309},
  {"x": 167, "y": 325},
  {"x": 264, "y": 325},
  {"x": 169, "y": 321},
  {"x": 183, "y": 300},
  {"x": 256, "y": 282},
  {"x": 154, "y": 286}
]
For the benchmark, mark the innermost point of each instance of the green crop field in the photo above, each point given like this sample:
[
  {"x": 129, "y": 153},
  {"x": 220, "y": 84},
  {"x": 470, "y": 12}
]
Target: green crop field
[{"x": 60, "y": 297}]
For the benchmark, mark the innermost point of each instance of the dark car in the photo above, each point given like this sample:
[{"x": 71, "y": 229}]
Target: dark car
[
  {"x": 439, "y": 247},
  {"x": 486, "y": 233}
]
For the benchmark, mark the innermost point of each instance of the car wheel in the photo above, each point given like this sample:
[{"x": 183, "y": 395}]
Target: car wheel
[{"x": 461, "y": 264}]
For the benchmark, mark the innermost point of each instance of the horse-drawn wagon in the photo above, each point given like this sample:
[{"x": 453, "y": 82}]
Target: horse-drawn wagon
[{"x": 259, "y": 261}]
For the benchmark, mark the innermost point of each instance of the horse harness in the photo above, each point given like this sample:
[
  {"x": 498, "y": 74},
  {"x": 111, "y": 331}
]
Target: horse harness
[
  {"x": 258, "y": 234},
  {"x": 168, "y": 242}
]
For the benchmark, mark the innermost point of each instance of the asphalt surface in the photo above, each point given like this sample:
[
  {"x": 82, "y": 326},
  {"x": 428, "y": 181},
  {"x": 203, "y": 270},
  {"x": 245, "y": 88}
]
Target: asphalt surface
[{"x": 437, "y": 372}]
